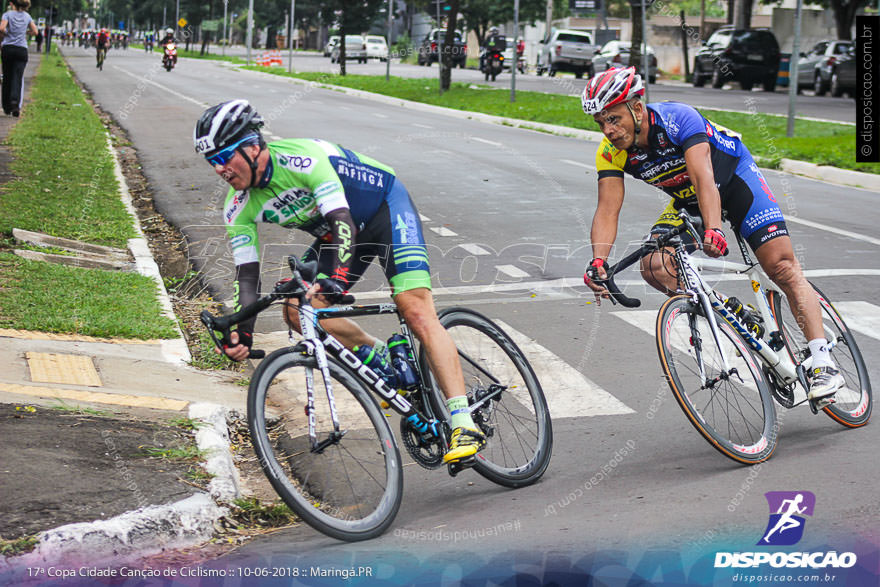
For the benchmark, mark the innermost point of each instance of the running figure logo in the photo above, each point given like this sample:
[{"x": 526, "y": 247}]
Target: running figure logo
[{"x": 786, "y": 525}]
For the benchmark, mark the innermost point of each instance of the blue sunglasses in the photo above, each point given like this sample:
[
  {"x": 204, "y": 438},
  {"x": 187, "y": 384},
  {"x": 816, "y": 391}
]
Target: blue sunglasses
[{"x": 223, "y": 157}]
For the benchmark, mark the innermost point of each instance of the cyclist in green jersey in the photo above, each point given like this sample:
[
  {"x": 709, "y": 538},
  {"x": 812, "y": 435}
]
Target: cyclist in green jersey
[{"x": 357, "y": 210}]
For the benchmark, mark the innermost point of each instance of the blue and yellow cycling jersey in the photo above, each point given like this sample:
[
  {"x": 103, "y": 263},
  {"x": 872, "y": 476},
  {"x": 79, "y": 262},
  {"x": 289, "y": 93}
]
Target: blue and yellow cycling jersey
[{"x": 674, "y": 127}]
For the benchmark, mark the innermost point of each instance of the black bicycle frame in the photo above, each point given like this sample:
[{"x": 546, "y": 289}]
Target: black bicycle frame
[{"x": 334, "y": 348}]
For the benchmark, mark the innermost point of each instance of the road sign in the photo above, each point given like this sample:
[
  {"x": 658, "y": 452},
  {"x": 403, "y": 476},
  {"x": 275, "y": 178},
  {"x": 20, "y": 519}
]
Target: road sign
[
  {"x": 211, "y": 26},
  {"x": 182, "y": 22},
  {"x": 41, "y": 22},
  {"x": 589, "y": 5}
]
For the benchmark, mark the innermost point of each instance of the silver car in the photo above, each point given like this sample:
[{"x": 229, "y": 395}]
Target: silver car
[
  {"x": 616, "y": 54},
  {"x": 815, "y": 68},
  {"x": 355, "y": 49}
]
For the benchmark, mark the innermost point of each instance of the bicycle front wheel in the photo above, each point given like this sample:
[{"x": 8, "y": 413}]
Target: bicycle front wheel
[
  {"x": 350, "y": 487},
  {"x": 516, "y": 420},
  {"x": 852, "y": 403},
  {"x": 732, "y": 408}
]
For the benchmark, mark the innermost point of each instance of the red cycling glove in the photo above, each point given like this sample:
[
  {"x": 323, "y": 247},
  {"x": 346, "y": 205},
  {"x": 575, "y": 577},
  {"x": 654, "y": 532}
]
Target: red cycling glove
[
  {"x": 593, "y": 270},
  {"x": 716, "y": 237}
]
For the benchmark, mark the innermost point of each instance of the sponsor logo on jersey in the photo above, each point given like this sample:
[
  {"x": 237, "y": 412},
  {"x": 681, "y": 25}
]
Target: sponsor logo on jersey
[
  {"x": 239, "y": 241},
  {"x": 661, "y": 140},
  {"x": 364, "y": 175},
  {"x": 637, "y": 156},
  {"x": 298, "y": 198},
  {"x": 709, "y": 130},
  {"x": 236, "y": 205},
  {"x": 674, "y": 181},
  {"x": 606, "y": 153},
  {"x": 725, "y": 142},
  {"x": 298, "y": 163}
]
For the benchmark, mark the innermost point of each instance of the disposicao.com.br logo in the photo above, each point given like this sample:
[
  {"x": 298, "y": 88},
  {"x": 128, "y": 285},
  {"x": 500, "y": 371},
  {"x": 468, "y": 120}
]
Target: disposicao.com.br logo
[{"x": 786, "y": 528}]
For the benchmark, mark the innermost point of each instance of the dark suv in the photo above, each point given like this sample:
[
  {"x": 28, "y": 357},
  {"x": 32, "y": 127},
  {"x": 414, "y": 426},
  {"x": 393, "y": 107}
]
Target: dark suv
[
  {"x": 747, "y": 56},
  {"x": 429, "y": 48}
]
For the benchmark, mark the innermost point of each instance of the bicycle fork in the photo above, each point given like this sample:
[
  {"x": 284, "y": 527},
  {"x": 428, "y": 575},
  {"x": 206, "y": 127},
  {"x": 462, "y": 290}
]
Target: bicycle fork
[{"x": 314, "y": 347}]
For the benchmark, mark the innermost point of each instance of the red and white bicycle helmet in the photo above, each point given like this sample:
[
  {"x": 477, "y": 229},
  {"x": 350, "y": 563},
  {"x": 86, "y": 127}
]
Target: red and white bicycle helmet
[{"x": 612, "y": 87}]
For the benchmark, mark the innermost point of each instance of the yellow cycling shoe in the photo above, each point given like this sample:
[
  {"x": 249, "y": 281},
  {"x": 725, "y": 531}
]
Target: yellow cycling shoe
[{"x": 465, "y": 443}]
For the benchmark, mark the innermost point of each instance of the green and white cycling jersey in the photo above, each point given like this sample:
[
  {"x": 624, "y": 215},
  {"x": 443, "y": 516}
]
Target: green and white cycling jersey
[{"x": 304, "y": 181}]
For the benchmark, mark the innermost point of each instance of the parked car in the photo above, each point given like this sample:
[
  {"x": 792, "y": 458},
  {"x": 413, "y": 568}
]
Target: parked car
[
  {"x": 377, "y": 48},
  {"x": 616, "y": 54},
  {"x": 331, "y": 42},
  {"x": 428, "y": 50},
  {"x": 843, "y": 74},
  {"x": 747, "y": 56},
  {"x": 814, "y": 67},
  {"x": 355, "y": 48},
  {"x": 567, "y": 50}
]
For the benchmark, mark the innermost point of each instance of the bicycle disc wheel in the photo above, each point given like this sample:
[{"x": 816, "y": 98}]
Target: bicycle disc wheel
[
  {"x": 516, "y": 421},
  {"x": 352, "y": 488},
  {"x": 852, "y": 403},
  {"x": 733, "y": 411}
]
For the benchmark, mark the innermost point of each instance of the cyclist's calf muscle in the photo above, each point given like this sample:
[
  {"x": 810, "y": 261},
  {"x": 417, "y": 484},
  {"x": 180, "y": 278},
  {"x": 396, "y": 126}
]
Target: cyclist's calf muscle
[{"x": 658, "y": 271}]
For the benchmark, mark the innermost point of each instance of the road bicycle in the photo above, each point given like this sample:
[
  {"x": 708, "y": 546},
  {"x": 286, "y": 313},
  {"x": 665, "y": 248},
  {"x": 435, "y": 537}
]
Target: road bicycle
[
  {"x": 727, "y": 364},
  {"x": 102, "y": 55},
  {"x": 333, "y": 458}
]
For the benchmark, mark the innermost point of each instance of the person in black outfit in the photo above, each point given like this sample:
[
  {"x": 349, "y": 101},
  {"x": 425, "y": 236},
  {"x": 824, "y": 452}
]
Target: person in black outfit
[
  {"x": 39, "y": 40},
  {"x": 15, "y": 25}
]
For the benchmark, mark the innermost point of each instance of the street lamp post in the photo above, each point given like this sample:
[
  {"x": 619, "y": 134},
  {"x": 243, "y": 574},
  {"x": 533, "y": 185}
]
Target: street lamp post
[
  {"x": 225, "y": 7},
  {"x": 290, "y": 39},
  {"x": 250, "y": 29},
  {"x": 388, "y": 59}
]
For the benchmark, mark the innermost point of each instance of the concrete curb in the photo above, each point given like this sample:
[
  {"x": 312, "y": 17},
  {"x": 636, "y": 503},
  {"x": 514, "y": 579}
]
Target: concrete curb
[
  {"x": 812, "y": 171},
  {"x": 152, "y": 529},
  {"x": 214, "y": 440},
  {"x": 173, "y": 350}
]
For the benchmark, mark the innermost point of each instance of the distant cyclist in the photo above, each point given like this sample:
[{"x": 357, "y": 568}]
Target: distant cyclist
[
  {"x": 705, "y": 168},
  {"x": 102, "y": 42},
  {"x": 357, "y": 210}
]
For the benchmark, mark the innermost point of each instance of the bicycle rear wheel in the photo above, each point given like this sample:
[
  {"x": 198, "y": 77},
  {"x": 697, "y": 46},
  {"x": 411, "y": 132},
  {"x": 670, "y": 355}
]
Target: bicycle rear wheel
[
  {"x": 733, "y": 411},
  {"x": 852, "y": 403},
  {"x": 516, "y": 421},
  {"x": 350, "y": 489}
]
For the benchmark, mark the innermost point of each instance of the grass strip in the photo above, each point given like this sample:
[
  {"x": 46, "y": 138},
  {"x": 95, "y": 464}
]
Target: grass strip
[
  {"x": 65, "y": 182},
  {"x": 66, "y": 187},
  {"x": 55, "y": 298},
  {"x": 823, "y": 143}
]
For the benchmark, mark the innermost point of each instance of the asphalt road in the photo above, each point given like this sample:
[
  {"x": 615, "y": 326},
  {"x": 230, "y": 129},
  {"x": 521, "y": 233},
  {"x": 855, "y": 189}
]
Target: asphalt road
[{"x": 638, "y": 488}]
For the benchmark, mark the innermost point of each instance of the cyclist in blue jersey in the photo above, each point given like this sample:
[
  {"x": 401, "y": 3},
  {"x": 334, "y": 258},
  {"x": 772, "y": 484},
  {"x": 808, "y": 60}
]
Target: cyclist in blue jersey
[
  {"x": 705, "y": 168},
  {"x": 357, "y": 210}
]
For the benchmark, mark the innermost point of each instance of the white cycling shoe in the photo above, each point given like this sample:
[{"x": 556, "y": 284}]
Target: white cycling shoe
[{"x": 825, "y": 381}]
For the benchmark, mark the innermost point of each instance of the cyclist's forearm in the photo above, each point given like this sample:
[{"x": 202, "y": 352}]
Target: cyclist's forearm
[
  {"x": 245, "y": 291},
  {"x": 603, "y": 234},
  {"x": 344, "y": 231}
]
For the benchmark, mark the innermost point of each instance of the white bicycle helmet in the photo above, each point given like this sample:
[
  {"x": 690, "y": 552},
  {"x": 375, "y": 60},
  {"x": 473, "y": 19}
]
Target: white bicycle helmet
[{"x": 612, "y": 87}]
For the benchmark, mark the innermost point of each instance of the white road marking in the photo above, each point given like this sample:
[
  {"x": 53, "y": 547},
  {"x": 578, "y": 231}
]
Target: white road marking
[
  {"x": 474, "y": 249},
  {"x": 424, "y": 218},
  {"x": 512, "y": 271},
  {"x": 832, "y": 229},
  {"x": 578, "y": 164},
  {"x": 442, "y": 231},
  {"x": 422, "y": 125},
  {"x": 569, "y": 393},
  {"x": 488, "y": 142},
  {"x": 275, "y": 137},
  {"x": 379, "y": 115},
  {"x": 862, "y": 317},
  {"x": 161, "y": 87}
]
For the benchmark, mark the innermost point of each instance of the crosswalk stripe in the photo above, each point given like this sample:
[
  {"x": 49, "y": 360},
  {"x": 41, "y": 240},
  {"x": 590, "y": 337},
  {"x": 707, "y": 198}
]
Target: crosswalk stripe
[
  {"x": 578, "y": 164},
  {"x": 512, "y": 271},
  {"x": 474, "y": 249},
  {"x": 442, "y": 231},
  {"x": 862, "y": 317},
  {"x": 569, "y": 393}
]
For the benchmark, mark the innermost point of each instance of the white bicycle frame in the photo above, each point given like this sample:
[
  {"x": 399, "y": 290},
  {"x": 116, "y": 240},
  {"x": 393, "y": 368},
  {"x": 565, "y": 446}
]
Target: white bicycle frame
[{"x": 781, "y": 364}]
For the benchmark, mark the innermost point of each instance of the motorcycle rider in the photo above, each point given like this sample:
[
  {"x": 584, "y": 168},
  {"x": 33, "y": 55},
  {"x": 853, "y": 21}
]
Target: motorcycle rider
[
  {"x": 167, "y": 40},
  {"x": 493, "y": 41}
]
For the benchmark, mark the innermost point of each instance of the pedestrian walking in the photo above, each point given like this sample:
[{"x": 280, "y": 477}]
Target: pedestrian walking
[
  {"x": 14, "y": 28},
  {"x": 39, "y": 40}
]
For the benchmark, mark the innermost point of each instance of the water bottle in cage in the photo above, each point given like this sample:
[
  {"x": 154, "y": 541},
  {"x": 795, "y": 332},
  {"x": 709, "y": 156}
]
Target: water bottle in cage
[
  {"x": 403, "y": 362},
  {"x": 374, "y": 361}
]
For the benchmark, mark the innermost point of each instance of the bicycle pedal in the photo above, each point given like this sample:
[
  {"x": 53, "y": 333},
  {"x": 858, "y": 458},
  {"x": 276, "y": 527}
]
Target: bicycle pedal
[
  {"x": 824, "y": 402},
  {"x": 457, "y": 467}
]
